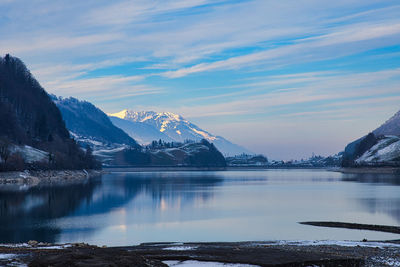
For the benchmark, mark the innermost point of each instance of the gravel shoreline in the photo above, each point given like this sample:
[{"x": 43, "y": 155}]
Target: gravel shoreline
[
  {"x": 275, "y": 253},
  {"x": 46, "y": 177}
]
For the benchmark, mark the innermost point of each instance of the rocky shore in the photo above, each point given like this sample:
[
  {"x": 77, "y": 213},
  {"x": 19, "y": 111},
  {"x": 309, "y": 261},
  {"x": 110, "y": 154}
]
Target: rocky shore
[
  {"x": 276, "y": 253},
  {"x": 46, "y": 177}
]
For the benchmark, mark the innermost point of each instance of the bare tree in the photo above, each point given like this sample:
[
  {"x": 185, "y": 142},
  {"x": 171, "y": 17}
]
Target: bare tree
[{"x": 4, "y": 149}]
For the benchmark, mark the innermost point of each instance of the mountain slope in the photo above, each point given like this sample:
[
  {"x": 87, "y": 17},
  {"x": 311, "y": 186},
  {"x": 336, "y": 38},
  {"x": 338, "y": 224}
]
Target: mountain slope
[
  {"x": 390, "y": 127},
  {"x": 29, "y": 118},
  {"x": 386, "y": 150},
  {"x": 379, "y": 148},
  {"x": 357, "y": 148},
  {"x": 27, "y": 113},
  {"x": 174, "y": 127},
  {"x": 89, "y": 125}
]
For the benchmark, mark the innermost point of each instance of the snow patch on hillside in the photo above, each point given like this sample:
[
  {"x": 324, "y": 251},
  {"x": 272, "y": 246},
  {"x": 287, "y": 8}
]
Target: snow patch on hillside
[
  {"x": 30, "y": 154},
  {"x": 164, "y": 125},
  {"x": 205, "y": 135},
  {"x": 86, "y": 140},
  {"x": 107, "y": 154},
  {"x": 386, "y": 150},
  {"x": 7, "y": 256}
]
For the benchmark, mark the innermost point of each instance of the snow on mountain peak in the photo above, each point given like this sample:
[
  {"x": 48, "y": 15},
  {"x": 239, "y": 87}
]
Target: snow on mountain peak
[
  {"x": 142, "y": 116},
  {"x": 168, "y": 116},
  {"x": 121, "y": 114},
  {"x": 174, "y": 127},
  {"x": 171, "y": 124}
]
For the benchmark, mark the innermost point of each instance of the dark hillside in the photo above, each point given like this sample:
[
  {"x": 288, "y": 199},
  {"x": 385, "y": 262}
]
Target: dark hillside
[
  {"x": 357, "y": 148},
  {"x": 28, "y": 116}
]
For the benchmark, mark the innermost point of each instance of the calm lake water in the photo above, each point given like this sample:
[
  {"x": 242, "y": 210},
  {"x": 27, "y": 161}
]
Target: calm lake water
[{"x": 130, "y": 208}]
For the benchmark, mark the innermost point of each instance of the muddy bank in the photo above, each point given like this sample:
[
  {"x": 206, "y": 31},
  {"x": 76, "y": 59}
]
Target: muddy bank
[
  {"x": 46, "y": 177},
  {"x": 277, "y": 253},
  {"x": 358, "y": 226}
]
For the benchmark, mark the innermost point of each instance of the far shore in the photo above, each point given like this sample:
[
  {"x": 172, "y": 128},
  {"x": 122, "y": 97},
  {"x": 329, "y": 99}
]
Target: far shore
[
  {"x": 355, "y": 170},
  {"x": 159, "y": 168},
  {"x": 192, "y": 168}
]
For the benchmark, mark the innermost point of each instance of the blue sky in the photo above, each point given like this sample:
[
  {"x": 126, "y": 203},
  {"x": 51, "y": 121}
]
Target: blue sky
[{"x": 283, "y": 78}]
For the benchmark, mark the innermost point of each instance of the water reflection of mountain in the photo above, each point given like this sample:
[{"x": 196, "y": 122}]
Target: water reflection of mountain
[
  {"x": 375, "y": 178},
  {"x": 24, "y": 214},
  {"x": 384, "y": 198},
  {"x": 390, "y": 207},
  {"x": 30, "y": 215},
  {"x": 119, "y": 188}
]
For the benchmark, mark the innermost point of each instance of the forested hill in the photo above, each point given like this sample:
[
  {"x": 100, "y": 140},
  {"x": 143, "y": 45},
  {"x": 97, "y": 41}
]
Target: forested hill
[
  {"x": 29, "y": 117},
  {"x": 193, "y": 154}
]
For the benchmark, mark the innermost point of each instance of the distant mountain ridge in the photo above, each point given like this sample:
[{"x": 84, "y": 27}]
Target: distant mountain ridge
[
  {"x": 89, "y": 125},
  {"x": 169, "y": 127}
]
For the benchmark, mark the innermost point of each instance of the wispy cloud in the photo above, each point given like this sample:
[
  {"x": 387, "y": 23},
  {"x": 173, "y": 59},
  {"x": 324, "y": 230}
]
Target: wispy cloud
[
  {"x": 68, "y": 71},
  {"x": 319, "y": 91},
  {"x": 41, "y": 43},
  {"x": 304, "y": 49},
  {"x": 125, "y": 12},
  {"x": 109, "y": 88}
]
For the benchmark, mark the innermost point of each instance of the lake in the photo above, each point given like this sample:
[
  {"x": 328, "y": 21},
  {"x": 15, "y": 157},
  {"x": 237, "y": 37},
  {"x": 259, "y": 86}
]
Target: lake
[{"x": 128, "y": 208}]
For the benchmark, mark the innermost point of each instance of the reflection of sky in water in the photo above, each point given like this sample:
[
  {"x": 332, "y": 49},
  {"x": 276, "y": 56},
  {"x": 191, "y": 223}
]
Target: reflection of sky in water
[{"x": 129, "y": 208}]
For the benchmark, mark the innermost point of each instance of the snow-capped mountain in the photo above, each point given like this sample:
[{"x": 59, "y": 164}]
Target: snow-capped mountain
[
  {"x": 168, "y": 126},
  {"x": 141, "y": 132}
]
